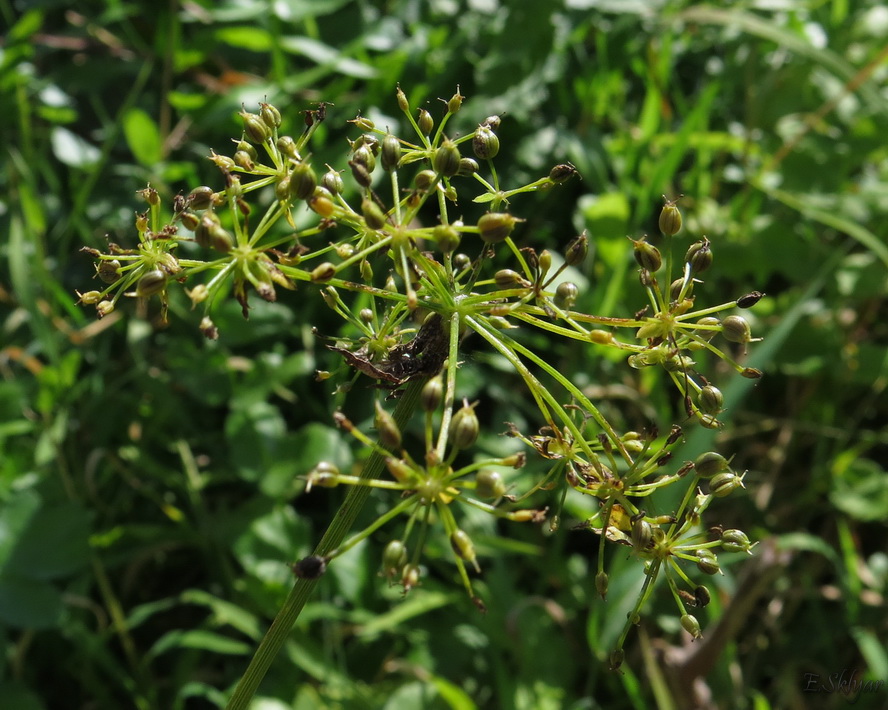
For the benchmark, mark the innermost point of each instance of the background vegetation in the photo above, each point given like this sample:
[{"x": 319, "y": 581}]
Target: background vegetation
[{"x": 149, "y": 503}]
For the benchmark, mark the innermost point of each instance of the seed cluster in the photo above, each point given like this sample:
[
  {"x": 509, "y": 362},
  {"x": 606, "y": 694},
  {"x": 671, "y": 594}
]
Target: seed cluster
[{"x": 386, "y": 251}]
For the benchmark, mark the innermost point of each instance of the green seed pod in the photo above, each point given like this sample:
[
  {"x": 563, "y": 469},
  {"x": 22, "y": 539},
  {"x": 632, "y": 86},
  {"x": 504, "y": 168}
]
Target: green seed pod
[
  {"x": 255, "y": 129},
  {"x": 710, "y": 463},
  {"x": 601, "y": 582},
  {"x": 103, "y": 308},
  {"x": 723, "y": 484},
  {"x": 282, "y": 189},
  {"x": 190, "y": 220},
  {"x": 464, "y": 427},
  {"x": 323, "y": 272},
  {"x": 446, "y": 159},
  {"x": 200, "y": 198},
  {"x": 642, "y": 533},
  {"x": 223, "y": 162},
  {"x": 389, "y": 433},
  {"x": 566, "y": 294},
  {"x": 321, "y": 203},
  {"x": 360, "y": 173},
  {"x": 647, "y": 255},
  {"x": 616, "y": 659},
  {"x": 400, "y": 470},
  {"x": 676, "y": 286},
  {"x": 394, "y": 557},
  {"x": 492, "y": 122},
  {"x": 545, "y": 263},
  {"x": 489, "y": 484},
  {"x": 670, "y": 219},
  {"x": 485, "y": 143},
  {"x": 425, "y": 122},
  {"x": 365, "y": 124},
  {"x": 243, "y": 160},
  {"x": 332, "y": 181},
  {"x": 577, "y": 249},
  {"x": 750, "y": 299},
  {"x": 287, "y": 146},
  {"x": 425, "y": 179},
  {"x": 247, "y": 148},
  {"x": 391, "y": 153},
  {"x": 270, "y": 115},
  {"x": 710, "y": 400},
  {"x": 736, "y": 329},
  {"x": 220, "y": 239},
  {"x": 364, "y": 156},
  {"x": 467, "y": 166},
  {"x": 495, "y": 227},
  {"x": 699, "y": 256},
  {"x": 507, "y": 278},
  {"x": 691, "y": 625},
  {"x": 562, "y": 173},
  {"x": 750, "y": 373},
  {"x": 150, "y": 195},
  {"x": 151, "y": 283},
  {"x": 403, "y": 104},
  {"x": 374, "y": 217},
  {"x": 707, "y": 562},
  {"x": 707, "y": 333},
  {"x": 90, "y": 298},
  {"x": 410, "y": 576},
  {"x": 735, "y": 541},
  {"x": 303, "y": 182},
  {"x": 446, "y": 237},
  {"x": 455, "y": 102},
  {"x": 109, "y": 270},
  {"x": 463, "y": 547},
  {"x": 432, "y": 394}
]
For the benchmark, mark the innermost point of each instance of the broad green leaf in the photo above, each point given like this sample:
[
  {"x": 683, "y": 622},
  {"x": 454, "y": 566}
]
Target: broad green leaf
[
  {"x": 15, "y": 515},
  {"x": 28, "y": 603},
  {"x": 143, "y": 137},
  {"x": 455, "y": 697},
  {"x": 54, "y": 543},
  {"x": 72, "y": 150}
]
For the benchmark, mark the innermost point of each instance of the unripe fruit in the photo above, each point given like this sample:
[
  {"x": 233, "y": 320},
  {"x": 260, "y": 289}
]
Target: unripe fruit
[
  {"x": 495, "y": 227},
  {"x": 425, "y": 122},
  {"x": 699, "y": 256},
  {"x": 670, "y": 219},
  {"x": 388, "y": 430},
  {"x": 707, "y": 562},
  {"x": 150, "y": 283},
  {"x": 446, "y": 159},
  {"x": 432, "y": 394},
  {"x": 302, "y": 182},
  {"x": 647, "y": 255},
  {"x": 463, "y": 547},
  {"x": 255, "y": 129},
  {"x": 566, "y": 294},
  {"x": 374, "y": 217},
  {"x": 710, "y": 463},
  {"x": 691, "y": 625},
  {"x": 391, "y": 152},
  {"x": 724, "y": 484},
  {"x": 489, "y": 484},
  {"x": 736, "y": 329},
  {"x": 485, "y": 143},
  {"x": 446, "y": 237},
  {"x": 332, "y": 180},
  {"x": 464, "y": 427},
  {"x": 710, "y": 400},
  {"x": 200, "y": 197}
]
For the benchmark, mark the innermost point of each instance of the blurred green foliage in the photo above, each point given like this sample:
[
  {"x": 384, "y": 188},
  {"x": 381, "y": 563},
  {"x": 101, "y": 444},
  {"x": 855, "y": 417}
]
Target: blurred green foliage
[{"x": 148, "y": 493}]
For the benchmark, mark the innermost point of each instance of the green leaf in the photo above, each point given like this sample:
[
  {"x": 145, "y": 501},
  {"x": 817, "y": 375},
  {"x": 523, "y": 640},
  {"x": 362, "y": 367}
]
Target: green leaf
[
  {"x": 326, "y": 55},
  {"x": 201, "y": 640},
  {"x": 28, "y": 603},
  {"x": 54, "y": 543},
  {"x": 72, "y": 150},
  {"x": 15, "y": 514},
  {"x": 453, "y": 695},
  {"x": 416, "y": 604},
  {"x": 19, "y": 697},
  {"x": 225, "y": 613},
  {"x": 486, "y": 197},
  {"x": 143, "y": 137},
  {"x": 251, "y": 38}
]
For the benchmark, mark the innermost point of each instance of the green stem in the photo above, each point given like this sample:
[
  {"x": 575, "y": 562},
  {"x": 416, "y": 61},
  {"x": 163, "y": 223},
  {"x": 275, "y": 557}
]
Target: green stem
[{"x": 342, "y": 522}]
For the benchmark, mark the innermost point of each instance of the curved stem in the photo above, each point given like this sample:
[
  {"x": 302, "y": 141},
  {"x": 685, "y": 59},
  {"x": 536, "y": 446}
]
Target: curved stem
[{"x": 342, "y": 522}]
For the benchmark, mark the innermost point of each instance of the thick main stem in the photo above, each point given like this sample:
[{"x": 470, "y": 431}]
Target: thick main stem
[{"x": 342, "y": 522}]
